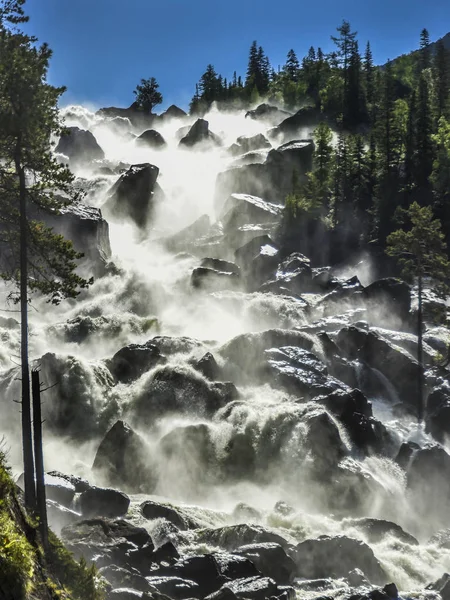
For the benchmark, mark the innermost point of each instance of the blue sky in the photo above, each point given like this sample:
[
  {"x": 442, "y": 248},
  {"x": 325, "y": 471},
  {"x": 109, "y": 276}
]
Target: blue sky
[{"x": 102, "y": 48}]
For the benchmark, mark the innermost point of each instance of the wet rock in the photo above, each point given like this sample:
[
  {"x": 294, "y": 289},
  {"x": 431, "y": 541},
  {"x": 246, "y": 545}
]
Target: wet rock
[
  {"x": 251, "y": 588},
  {"x": 242, "y": 209},
  {"x": 247, "y": 350},
  {"x": 239, "y": 459},
  {"x": 177, "y": 345},
  {"x": 397, "y": 365},
  {"x": 124, "y": 578},
  {"x": 124, "y": 459},
  {"x": 220, "y": 265},
  {"x": 152, "y": 139},
  {"x": 293, "y": 274},
  {"x": 202, "y": 569},
  {"x": 200, "y": 135},
  {"x": 235, "y": 566},
  {"x": 368, "y": 434},
  {"x": 80, "y": 484},
  {"x": 105, "y": 502},
  {"x": 342, "y": 403},
  {"x": 442, "y": 586},
  {"x": 268, "y": 113},
  {"x": 132, "y": 361},
  {"x": 405, "y": 453},
  {"x": 428, "y": 482},
  {"x": 377, "y": 529},
  {"x": 173, "y": 112},
  {"x": 166, "y": 553},
  {"x": 324, "y": 442},
  {"x": 60, "y": 516},
  {"x": 88, "y": 231},
  {"x": 135, "y": 194},
  {"x": 243, "y": 513},
  {"x": 172, "y": 587},
  {"x": 80, "y": 147},
  {"x": 356, "y": 578},
  {"x": 178, "y": 390},
  {"x": 232, "y": 537},
  {"x": 208, "y": 367},
  {"x": 189, "y": 235},
  {"x": 438, "y": 413},
  {"x": 336, "y": 557},
  {"x": 258, "y": 259},
  {"x": 58, "y": 489},
  {"x": 272, "y": 561},
  {"x": 306, "y": 118},
  {"x": 246, "y": 144},
  {"x": 212, "y": 280},
  {"x": 393, "y": 291},
  {"x": 156, "y": 510},
  {"x": 125, "y": 594}
]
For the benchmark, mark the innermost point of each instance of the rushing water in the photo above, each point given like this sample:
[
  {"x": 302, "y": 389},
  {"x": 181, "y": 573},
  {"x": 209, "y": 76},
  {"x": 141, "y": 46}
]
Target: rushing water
[{"x": 153, "y": 296}]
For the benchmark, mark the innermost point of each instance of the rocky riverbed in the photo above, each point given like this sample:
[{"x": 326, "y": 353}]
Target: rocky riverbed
[{"x": 228, "y": 418}]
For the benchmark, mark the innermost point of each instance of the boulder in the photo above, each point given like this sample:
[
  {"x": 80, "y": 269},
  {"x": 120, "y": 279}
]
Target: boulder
[
  {"x": 252, "y": 588},
  {"x": 177, "y": 345},
  {"x": 119, "y": 577},
  {"x": 211, "y": 280},
  {"x": 268, "y": 113},
  {"x": 405, "y": 454},
  {"x": 200, "y": 135},
  {"x": 135, "y": 194},
  {"x": 271, "y": 560},
  {"x": 88, "y": 231},
  {"x": 342, "y": 403},
  {"x": 208, "y": 367},
  {"x": 233, "y": 537},
  {"x": 156, "y": 510},
  {"x": 258, "y": 259},
  {"x": 152, "y": 139},
  {"x": 235, "y": 566},
  {"x": 124, "y": 459},
  {"x": 376, "y": 530},
  {"x": 242, "y": 209},
  {"x": 174, "y": 588},
  {"x": 324, "y": 442},
  {"x": 80, "y": 147},
  {"x": 428, "y": 483},
  {"x": 60, "y": 516},
  {"x": 335, "y": 557},
  {"x": 59, "y": 490},
  {"x": 104, "y": 502},
  {"x": 132, "y": 361},
  {"x": 392, "y": 291},
  {"x": 221, "y": 265},
  {"x": 173, "y": 112},
  {"x": 438, "y": 413},
  {"x": 293, "y": 274},
  {"x": 178, "y": 390},
  {"x": 188, "y": 236},
  {"x": 246, "y": 144},
  {"x": 442, "y": 586},
  {"x": 202, "y": 569},
  {"x": 304, "y": 121}
]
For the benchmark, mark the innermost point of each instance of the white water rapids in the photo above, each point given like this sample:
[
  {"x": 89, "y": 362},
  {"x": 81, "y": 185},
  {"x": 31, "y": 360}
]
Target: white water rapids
[{"x": 154, "y": 297}]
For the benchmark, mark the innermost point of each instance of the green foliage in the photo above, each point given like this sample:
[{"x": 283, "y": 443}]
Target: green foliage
[
  {"x": 147, "y": 95},
  {"x": 420, "y": 250},
  {"x": 77, "y": 578}
]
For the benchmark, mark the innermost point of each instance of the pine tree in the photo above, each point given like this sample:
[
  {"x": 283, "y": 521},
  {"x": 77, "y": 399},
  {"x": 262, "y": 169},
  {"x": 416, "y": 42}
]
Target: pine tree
[
  {"x": 345, "y": 43},
  {"x": 421, "y": 252},
  {"x": 425, "y": 50},
  {"x": 440, "y": 176},
  {"x": 442, "y": 79},
  {"x": 292, "y": 65},
  {"x": 147, "y": 95},
  {"x": 423, "y": 163},
  {"x": 368, "y": 74},
  {"x": 34, "y": 257},
  {"x": 354, "y": 108},
  {"x": 253, "y": 66}
]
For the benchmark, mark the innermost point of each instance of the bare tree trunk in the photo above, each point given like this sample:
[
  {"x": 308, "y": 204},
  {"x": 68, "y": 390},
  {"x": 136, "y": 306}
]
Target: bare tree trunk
[
  {"x": 27, "y": 439},
  {"x": 39, "y": 458},
  {"x": 420, "y": 385}
]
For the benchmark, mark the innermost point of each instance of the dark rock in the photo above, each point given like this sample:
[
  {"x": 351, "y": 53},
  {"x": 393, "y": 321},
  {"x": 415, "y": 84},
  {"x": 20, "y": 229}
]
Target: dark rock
[
  {"x": 189, "y": 235},
  {"x": 250, "y": 588},
  {"x": 124, "y": 458},
  {"x": 246, "y": 144},
  {"x": 104, "y": 502},
  {"x": 247, "y": 350},
  {"x": 173, "y": 587},
  {"x": 80, "y": 147},
  {"x": 151, "y": 138},
  {"x": 393, "y": 362},
  {"x": 203, "y": 570},
  {"x": 324, "y": 442},
  {"x": 199, "y": 134},
  {"x": 258, "y": 259},
  {"x": 271, "y": 560},
  {"x": 368, "y": 434},
  {"x": 243, "y": 513},
  {"x": 103, "y": 533},
  {"x": 124, "y": 578},
  {"x": 80, "y": 484},
  {"x": 176, "y": 390},
  {"x": 212, "y": 280},
  {"x": 88, "y": 231},
  {"x": 166, "y": 553},
  {"x": 220, "y": 265},
  {"x": 235, "y": 566},
  {"x": 125, "y": 594},
  {"x": 442, "y": 586},
  {"x": 393, "y": 291},
  {"x": 266, "y": 112},
  {"x": 232, "y": 537},
  {"x": 428, "y": 482},
  {"x": 173, "y": 112},
  {"x": 176, "y": 345},
  {"x": 405, "y": 454},
  {"x": 294, "y": 273},
  {"x": 132, "y": 361},
  {"x": 59, "y": 490},
  {"x": 438, "y": 413},
  {"x": 376, "y": 530},
  {"x": 156, "y": 510},
  {"x": 343, "y": 403},
  {"x": 356, "y": 578},
  {"x": 208, "y": 367},
  {"x": 307, "y": 118},
  {"x": 390, "y": 589},
  {"x": 336, "y": 557},
  {"x": 135, "y": 194},
  {"x": 139, "y": 118}
]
